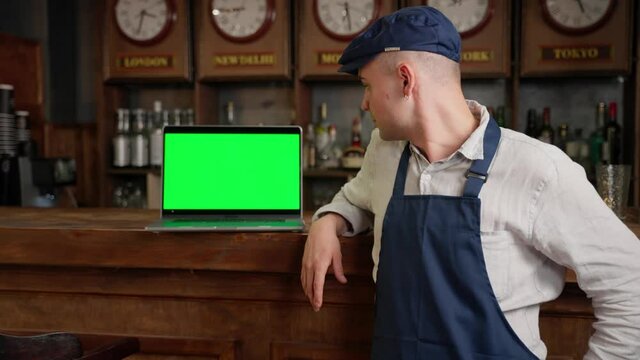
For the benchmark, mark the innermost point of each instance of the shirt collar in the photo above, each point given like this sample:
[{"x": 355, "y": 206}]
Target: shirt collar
[{"x": 473, "y": 147}]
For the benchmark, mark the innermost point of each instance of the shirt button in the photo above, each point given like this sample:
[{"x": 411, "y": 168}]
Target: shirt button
[{"x": 427, "y": 177}]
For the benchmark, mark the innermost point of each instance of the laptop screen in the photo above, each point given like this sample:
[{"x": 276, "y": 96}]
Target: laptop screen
[{"x": 227, "y": 170}]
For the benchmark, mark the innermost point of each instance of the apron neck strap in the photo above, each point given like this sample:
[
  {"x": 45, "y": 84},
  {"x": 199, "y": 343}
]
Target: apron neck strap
[
  {"x": 401, "y": 174},
  {"x": 477, "y": 173},
  {"x": 479, "y": 170}
]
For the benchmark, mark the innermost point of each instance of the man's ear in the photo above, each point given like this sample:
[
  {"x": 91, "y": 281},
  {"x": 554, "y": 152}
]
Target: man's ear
[{"x": 407, "y": 76}]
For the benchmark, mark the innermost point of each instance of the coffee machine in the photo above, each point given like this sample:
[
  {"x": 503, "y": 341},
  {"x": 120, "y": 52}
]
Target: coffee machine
[{"x": 26, "y": 179}]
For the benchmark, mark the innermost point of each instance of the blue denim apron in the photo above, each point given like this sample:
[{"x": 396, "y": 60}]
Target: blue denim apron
[{"x": 433, "y": 295}]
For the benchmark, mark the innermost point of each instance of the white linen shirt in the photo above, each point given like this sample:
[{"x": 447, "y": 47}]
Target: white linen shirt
[{"x": 538, "y": 214}]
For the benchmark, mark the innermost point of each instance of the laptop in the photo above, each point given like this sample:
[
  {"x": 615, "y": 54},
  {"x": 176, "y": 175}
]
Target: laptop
[{"x": 231, "y": 178}]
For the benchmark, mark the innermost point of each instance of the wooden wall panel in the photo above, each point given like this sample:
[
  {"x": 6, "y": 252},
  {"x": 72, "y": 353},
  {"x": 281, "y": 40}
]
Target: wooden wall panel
[
  {"x": 253, "y": 325},
  {"x": 21, "y": 66},
  {"x": 297, "y": 351},
  {"x": 77, "y": 142}
]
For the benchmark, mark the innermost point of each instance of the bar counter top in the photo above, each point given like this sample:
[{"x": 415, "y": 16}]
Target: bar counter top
[{"x": 111, "y": 237}]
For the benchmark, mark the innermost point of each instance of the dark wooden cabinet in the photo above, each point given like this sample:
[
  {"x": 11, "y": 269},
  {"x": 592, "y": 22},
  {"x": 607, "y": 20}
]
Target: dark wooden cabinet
[{"x": 201, "y": 295}]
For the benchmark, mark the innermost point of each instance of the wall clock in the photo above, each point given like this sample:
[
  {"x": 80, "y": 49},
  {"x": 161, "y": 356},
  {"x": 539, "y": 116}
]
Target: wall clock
[
  {"x": 144, "y": 22},
  {"x": 577, "y": 16},
  {"x": 242, "y": 20},
  {"x": 345, "y": 19},
  {"x": 469, "y": 17}
]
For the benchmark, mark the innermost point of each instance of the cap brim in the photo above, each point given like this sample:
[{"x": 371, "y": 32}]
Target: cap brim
[{"x": 353, "y": 66}]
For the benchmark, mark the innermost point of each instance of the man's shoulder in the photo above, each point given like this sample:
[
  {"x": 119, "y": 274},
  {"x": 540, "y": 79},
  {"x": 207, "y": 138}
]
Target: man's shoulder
[
  {"x": 525, "y": 147},
  {"x": 531, "y": 155}
]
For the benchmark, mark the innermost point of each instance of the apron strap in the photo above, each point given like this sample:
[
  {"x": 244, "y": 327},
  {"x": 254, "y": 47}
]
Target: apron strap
[
  {"x": 477, "y": 173},
  {"x": 479, "y": 170},
  {"x": 401, "y": 173}
]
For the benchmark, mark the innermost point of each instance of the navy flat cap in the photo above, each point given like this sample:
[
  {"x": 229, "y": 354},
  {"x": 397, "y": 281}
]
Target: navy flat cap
[{"x": 418, "y": 28}]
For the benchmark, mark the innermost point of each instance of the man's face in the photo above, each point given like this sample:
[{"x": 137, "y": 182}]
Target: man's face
[{"x": 382, "y": 93}]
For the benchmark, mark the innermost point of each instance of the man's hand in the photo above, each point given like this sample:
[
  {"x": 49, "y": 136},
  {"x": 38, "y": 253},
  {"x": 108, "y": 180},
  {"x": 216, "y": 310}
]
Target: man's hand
[{"x": 321, "y": 250}]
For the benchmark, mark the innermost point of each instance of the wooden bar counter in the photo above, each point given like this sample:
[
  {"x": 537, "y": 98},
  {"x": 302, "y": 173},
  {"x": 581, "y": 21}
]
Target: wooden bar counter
[{"x": 203, "y": 295}]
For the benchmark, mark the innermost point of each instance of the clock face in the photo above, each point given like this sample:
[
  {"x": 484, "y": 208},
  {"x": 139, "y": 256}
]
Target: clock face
[
  {"x": 144, "y": 22},
  {"x": 242, "y": 20},
  {"x": 467, "y": 16},
  {"x": 345, "y": 19},
  {"x": 577, "y": 16}
]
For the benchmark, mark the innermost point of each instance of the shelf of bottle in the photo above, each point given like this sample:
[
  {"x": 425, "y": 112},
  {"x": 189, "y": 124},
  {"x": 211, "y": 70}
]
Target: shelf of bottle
[
  {"x": 332, "y": 173},
  {"x": 133, "y": 171}
]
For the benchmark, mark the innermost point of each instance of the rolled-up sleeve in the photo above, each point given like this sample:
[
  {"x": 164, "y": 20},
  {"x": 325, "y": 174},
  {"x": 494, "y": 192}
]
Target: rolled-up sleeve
[{"x": 572, "y": 226}]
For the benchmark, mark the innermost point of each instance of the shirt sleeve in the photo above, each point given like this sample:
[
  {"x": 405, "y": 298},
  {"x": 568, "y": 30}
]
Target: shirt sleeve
[
  {"x": 353, "y": 201},
  {"x": 572, "y": 226}
]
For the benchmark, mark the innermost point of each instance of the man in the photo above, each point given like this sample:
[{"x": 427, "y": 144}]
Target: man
[{"x": 472, "y": 223}]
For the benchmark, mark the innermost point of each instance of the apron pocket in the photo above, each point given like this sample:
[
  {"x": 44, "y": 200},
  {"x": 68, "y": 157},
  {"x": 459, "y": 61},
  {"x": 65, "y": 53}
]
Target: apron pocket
[{"x": 496, "y": 246}]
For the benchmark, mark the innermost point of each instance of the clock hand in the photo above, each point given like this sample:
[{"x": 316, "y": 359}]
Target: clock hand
[
  {"x": 581, "y": 6},
  {"x": 346, "y": 8},
  {"x": 141, "y": 16},
  {"x": 231, "y": 10},
  {"x": 344, "y": 12}
]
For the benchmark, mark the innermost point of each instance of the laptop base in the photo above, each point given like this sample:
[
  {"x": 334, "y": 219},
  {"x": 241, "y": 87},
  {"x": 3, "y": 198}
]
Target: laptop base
[{"x": 191, "y": 225}]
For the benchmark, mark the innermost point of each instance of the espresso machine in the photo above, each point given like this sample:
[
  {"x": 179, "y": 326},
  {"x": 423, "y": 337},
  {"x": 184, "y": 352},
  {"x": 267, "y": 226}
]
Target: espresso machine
[{"x": 26, "y": 179}]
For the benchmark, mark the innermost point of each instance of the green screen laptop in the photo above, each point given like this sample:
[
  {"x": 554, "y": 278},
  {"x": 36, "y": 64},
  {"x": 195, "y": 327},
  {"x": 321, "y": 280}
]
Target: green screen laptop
[{"x": 231, "y": 178}]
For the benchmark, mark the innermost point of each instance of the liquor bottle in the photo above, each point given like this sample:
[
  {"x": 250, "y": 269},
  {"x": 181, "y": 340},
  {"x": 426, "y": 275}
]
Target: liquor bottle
[
  {"x": 353, "y": 156},
  {"x": 563, "y": 137},
  {"x": 309, "y": 149},
  {"x": 532, "y": 123},
  {"x": 230, "y": 113},
  {"x": 612, "y": 136},
  {"x": 166, "y": 118},
  {"x": 27, "y": 147},
  {"x": 335, "y": 153},
  {"x": 546, "y": 132},
  {"x": 356, "y": 132},
  {"x": 596, "y": 140},
  {"x": 122, "y": 140},
  {"x": 178, "y": 117},
  {"x": 578, "y": 150},
  {"x": 139, "y": 141},
  {"x": 190, "y": 118},
  {"x": 500, "y": 116},
  {"x": 155, "y": 135},
  {"x": 322, "y": 138}
]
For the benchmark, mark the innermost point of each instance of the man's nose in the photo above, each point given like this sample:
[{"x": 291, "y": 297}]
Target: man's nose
[{"x": 364, "y": 105}]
